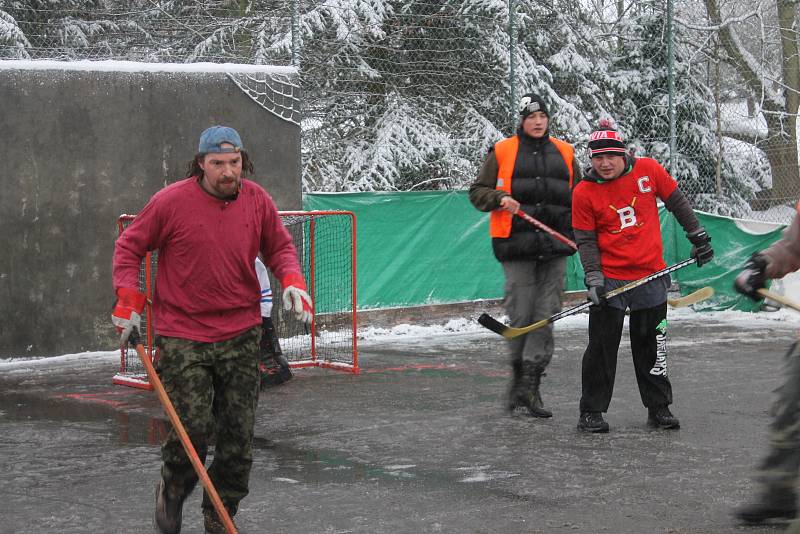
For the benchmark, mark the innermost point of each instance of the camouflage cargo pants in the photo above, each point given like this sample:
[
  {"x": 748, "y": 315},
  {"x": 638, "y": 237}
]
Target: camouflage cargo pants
[
  {"x": 214, "y": 387},
  {"x": 779, "y": 470}
]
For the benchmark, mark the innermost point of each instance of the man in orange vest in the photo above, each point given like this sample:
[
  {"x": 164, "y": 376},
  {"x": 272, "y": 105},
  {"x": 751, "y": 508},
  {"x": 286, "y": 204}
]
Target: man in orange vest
[
  {"x": 533, "y": 172},
  {"x": 778, "y": 473}
]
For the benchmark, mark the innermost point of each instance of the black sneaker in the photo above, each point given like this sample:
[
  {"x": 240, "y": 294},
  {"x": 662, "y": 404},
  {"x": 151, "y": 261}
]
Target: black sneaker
[
  {"x": 169, "y": 510},
  {"x": 767, "y": 508},
  {"x": 661, "y": 417},
  {"x": 592, "y": 422},
  {"x": 212, "y": 523}
]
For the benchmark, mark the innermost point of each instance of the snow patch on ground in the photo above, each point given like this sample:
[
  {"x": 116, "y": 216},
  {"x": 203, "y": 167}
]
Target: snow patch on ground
[
  {"x": 469, "y": 326},
  {"x": 408, "y": 333},
  {"x": 82, "y": 359},
  {"x": 483, "y": 473}
]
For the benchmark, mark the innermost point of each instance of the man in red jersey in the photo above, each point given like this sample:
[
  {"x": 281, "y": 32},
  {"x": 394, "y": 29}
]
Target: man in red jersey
[
  {"x": 615, "y": 219},
  {"x": 207, "y": 229}
]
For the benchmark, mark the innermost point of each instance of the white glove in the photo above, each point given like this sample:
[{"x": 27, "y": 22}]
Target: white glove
[{"x": 296, "y": 299}]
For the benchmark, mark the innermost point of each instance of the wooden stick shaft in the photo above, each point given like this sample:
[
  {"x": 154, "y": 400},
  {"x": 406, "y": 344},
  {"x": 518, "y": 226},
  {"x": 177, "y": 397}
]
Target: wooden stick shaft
[
  {"x": 199, "y": 468},
  {"x": 779, "y": 298},
  {"x": 542, "y": 226}
]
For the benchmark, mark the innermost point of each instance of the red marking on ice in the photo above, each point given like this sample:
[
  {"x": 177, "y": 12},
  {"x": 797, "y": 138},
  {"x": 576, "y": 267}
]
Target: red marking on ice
[
  {"x": 437, "y": 366},
  {"x": 413, "y": 366},
  {"x": 95, "y": 397}
]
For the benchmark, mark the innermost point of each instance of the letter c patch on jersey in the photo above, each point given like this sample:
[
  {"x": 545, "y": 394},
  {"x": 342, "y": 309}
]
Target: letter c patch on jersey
[{"x": 644, "y": 184}]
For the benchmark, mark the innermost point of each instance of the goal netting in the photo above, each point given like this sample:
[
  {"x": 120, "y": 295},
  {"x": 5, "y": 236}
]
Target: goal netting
[{"x": 275, "y": 92}]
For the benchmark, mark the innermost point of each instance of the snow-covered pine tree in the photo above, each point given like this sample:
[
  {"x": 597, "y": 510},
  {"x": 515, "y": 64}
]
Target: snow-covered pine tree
[
  {"x": 411, "y": 96},
  {"x": 79, "y": 29},
  {"x": 637, "y": 81},
  {"x": 562, "y": 59},
  {"x": 13, "y": 43}
]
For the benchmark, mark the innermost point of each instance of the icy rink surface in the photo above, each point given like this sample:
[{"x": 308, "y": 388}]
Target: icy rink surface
[{"x": 418, "y": 442}]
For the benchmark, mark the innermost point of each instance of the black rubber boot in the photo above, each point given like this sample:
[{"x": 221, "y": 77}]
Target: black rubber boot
[
  {"x": 536, "y": 406},
  {"x": 592, "y": 422},
  {"x": 212, "y": 522},
  {"x": 169, "y": 509},
  {"x": 524, "y": 396},
  {"x": 661, "y": 417},
  {"x": 274, "y": 366},
  {"x": 770, "y": 505},
  {"x": 515, "y": 390}
]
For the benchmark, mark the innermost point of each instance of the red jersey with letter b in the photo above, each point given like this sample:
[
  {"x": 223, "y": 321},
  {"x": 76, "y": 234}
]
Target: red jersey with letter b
[{"x": 623, "y": 214}]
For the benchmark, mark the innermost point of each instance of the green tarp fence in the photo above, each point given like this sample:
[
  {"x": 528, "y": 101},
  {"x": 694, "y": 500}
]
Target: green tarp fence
[
  {"x": 732, "y": 243},
  {"x": 421, "y": 248}
]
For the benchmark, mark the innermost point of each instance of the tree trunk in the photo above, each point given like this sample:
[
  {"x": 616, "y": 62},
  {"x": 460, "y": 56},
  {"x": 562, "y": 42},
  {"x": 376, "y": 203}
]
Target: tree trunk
[
  {"x": 781, "y": 148},
  {"x": 781, "y": 151}
]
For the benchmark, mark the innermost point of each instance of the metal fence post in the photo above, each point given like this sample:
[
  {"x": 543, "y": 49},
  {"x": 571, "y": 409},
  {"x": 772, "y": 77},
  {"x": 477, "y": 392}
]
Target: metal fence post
[
  {"x": 512, "y": 62},
  {"x": 671, "y": 82},
  {"x": 295, "y": 33}
]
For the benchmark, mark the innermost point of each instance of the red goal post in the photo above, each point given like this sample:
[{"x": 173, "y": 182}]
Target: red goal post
[{"x": 326, "y": 249}]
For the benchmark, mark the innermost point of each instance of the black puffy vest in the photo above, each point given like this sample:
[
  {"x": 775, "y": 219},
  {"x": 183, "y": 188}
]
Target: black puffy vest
[{"x": 540, "y": 183}]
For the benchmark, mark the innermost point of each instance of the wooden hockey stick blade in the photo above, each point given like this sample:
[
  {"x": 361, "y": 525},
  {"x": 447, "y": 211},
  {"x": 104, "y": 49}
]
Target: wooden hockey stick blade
[
  {"x": 509, "y": 332},
  {"x": 779, "y": 299},
  {"x": 194, "y": 459},
  {"x": 692, "y": 298}
]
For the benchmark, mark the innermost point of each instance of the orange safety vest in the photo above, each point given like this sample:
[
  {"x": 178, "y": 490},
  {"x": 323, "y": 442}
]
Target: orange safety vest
[{"x": 506, "y": 153}]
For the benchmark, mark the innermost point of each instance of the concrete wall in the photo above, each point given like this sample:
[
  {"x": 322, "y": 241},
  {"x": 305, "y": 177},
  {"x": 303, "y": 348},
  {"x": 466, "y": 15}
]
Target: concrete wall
[{"x": 79, "y": 145}]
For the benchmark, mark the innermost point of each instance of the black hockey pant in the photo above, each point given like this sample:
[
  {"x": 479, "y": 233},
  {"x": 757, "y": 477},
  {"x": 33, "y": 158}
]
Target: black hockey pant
[{"x": 648, "y": 345}]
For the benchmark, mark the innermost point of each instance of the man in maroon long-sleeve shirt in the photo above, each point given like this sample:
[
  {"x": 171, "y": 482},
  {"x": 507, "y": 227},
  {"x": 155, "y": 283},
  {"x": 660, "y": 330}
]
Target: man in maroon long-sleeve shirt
[{"x": 207, "y": 229}]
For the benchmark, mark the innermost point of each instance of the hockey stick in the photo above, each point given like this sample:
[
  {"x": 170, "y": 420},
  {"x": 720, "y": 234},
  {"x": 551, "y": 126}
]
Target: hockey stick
[
  {"x": 199, "y": 468},
  {"x": 692, "y": 298},
  {"x": 780, "y": 299},
  {"x": 542, "y": 226},
  {"x": 680, "y": 302},
  {"x": 510, "y": 332}
]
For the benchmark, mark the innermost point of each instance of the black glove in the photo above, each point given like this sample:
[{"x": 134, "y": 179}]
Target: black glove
[
  {"x": 596, "y": 288},
  {"x": 270, "y": 345},
  {"x": 274, "y": 366},
  {"x": 753, "y": 277},
  {"x": 701, "y": 246}
]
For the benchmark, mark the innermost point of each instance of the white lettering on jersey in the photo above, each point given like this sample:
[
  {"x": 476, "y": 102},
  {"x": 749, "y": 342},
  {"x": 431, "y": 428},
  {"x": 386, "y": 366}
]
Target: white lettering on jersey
[
  {"x": 627, "y": 217},
  {"x": 644, "y": 186}
]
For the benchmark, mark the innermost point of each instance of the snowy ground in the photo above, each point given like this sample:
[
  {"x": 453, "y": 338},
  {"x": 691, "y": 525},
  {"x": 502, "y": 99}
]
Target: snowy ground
[{"x": 416, "y": 443}]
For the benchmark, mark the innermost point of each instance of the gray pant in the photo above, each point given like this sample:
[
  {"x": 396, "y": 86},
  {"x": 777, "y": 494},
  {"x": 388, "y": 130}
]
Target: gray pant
[
  {"x": 533, "y": 291},
  {"x": 779, "y": 469}
]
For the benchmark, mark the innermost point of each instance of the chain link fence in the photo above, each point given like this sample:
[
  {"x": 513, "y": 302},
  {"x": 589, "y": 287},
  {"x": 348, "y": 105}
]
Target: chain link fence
[{"x": 410, "y": 94}]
